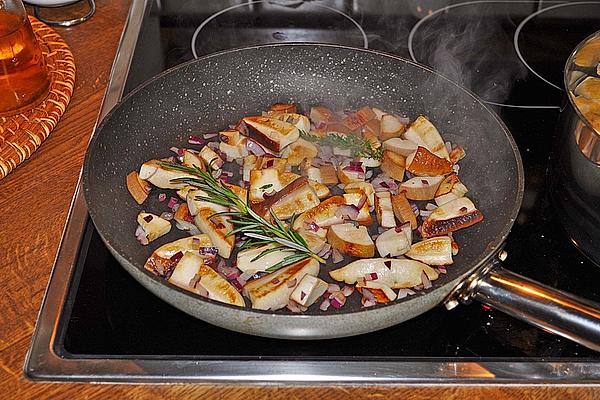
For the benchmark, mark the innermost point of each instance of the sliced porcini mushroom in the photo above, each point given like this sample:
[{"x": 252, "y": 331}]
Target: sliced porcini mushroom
[
  {"x": 321, "y": 115},
  {"x": 195, "y": 202},
  {"x": 192, "y": 159},
  {"x": 314, "y": 240},
  {"x": 249, "y": 260},
  {"x": 252, "y": 162},
  {"x": 272, "y": 291},
  {"x": 421, "y": 187},
  {"x": 320, "y": 189},
  {"x": 395, "y": 273},
  {"x": 294, "y": 198},
  {"x": 384, "y": 210},
  {"x": 372, "y": 130},
  {"x": 271, "y": 132},
  {"x": 450, "y": 189},
  {"x": 323, "y": 215},
  {"x": 192, "y": 274},
  {"x": 365, "y": 188},
  {"x": 211, "y": 158},
  {"x": 163, "y": 259},
  {"x": 299, "y": 151},
  {"x": 182, "y": 193},
  {"x": 351, "y": 172},
  {"x": 424, "y": 133},
  {"x": 402, "y": 210},
  {"x": 359, "y": 118},
  {"x": 393, "y": 165},
  {"x": 284, "y": 108},
  {"x": 432, "y": 251},
  {"x": 138, "y": 188},
  {"x": 153, "y": 172},
  {"x": 450, "y": 217},
  {"x": 239, "y": 191},
  {"x": 233, "y": 144},
  {"x": 352, "y": 240},
  {"x": 378, "y": 113},
  {"x": 184, "y": 220},
  {"x": 424, "y": 163},
  {"x": 457, "y": 153},
  {"x": 263, "y": 183},
  {"x": 153, "y": 225},
  {"x": 308, "y": 290},
  {"x": 391, "y": 127},
  {"x": 403, "y": 147},
  {"x": 325, "y": 175},
  {"x": 217, "y": 228},
  {"x": 393, "y": 242},
  {"x": 359, "y": 200},
  {"x": 382, "y": 293},
  {"x": 301, "y": 122}
]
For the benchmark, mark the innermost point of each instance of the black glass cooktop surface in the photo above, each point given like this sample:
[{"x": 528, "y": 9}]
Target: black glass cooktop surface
[{"x": 511, "y": 53}]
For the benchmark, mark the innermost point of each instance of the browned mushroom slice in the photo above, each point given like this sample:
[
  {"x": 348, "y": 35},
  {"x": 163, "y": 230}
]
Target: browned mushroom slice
[
  {"x": 271, "y": 132},
  {"x": 450, "y": 217},
  {"x": 425, "y": 163},
  {"x": 295, "y": 198}
]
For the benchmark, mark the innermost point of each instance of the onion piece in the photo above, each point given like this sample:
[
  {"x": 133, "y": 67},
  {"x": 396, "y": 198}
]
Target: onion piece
[
  {"x": 255, "y": 148},
  {"x": 332, "y": 288},
  {"x": 347, "y": 211},
  {"x": 167, "y": 216},
  {"x": 324, "y": 305},
  {"x": 348, "y": 290},
  {"x": 442, "y": 269},
  {"x": 162, "y": 197},
  {"x": 383, "y": 183},
  {"x": 336, "y": 256},
  {"x": 426, "y": 282},
  {"x": 210, "y": 135},
  {"x": 195, "y": 139}
]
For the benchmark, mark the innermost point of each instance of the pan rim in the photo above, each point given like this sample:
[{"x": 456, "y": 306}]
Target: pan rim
[{"x": 492, "y": 248}]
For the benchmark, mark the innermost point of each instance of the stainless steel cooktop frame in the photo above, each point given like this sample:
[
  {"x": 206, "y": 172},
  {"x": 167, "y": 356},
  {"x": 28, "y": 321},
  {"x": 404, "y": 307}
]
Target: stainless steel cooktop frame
[{"x": 44, "y": 363}]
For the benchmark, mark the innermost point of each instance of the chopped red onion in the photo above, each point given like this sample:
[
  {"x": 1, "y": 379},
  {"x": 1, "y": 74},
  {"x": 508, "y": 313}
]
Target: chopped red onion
[
  {"x": 404, "y": 120},
  {"x": 402, "y": 293},
  {"x": 176, "y": 207},
  {"x": 172, "y": 202},
  {"x": 162, "y": 197},
  {"x": 347, "y": 211},
  {"x": 208, "y": 251},
  {"x": 332, "y": 288},
  {"x": 336, "y": 256},
  {"x": 269, "y": 163},
  {"x": 383, "y": 183},
  {"x": 220, "y": 225},
  {"x": 368, "y": 294},
  {"x": 381, "y": 229},
  {"x": 448, "y": 146},
  {"x": 292, "y": 283},
  {"x": 210, "y": 135},
  {"x": 408, "y": 175},
  {"x": 388, "y": 264},
  {"x": 177, "y": 150},
  {"x": 195, "y": 139},
  {"x": 237, "y": 285},
  {"x": 419, "y": 287},
  {"x": 456, "y": 168},
  {"x": 312, "y": 226},
  {"x": 195, "y": 241},
  {"x": 141, "y": 236},
  {"x": 372, "y": 276},
  {"x": 148, "y": 218},
  {"x": 367, "y": 302},
  {"x": 255, "y": 148},
  {"x": 295, "y": 307},
  {"x": 369, "y": 175},
  {"x": 337, "y": 300},
  {"x": 347, "y": 290},
  {"x": 355, "y": 166},
  {"x": 230, "y": 273},
  {"x": 361, "y": 202},
  {"x": 167, "y": 215},
  {"x": 442, "y": 269},
  {"x": 374, "y": 237},
  {"x": 426, "y": 282},
  {"x": 324, "y": 305},
  {"x": 415, "y": 209},
  {"x": 216, "y": 173},
  {"x": 274, "y": 281},
  {"x": 176, "y": 257},
  {"x": 326, "y": 248}
]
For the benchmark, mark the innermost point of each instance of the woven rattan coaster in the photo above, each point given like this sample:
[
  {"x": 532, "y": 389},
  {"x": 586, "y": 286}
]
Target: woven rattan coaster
[{"x": 22, "y": 134}]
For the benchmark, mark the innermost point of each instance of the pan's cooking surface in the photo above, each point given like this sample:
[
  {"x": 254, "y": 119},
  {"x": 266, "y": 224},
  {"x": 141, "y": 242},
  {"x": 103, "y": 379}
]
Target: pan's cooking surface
[{"x": 536, "y": 236}]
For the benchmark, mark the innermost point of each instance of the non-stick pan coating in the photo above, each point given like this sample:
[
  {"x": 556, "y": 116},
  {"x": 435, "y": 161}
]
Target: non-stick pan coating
[{"x": 210, "y": 93}]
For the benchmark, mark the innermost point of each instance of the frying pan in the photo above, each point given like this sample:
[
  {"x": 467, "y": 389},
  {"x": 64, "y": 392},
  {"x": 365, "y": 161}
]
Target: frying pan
[{"x": 210, "y": 93}]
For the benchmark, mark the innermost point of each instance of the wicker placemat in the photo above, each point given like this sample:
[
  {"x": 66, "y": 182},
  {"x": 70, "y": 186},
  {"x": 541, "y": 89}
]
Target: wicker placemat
[{"x": 22, "y": 134}]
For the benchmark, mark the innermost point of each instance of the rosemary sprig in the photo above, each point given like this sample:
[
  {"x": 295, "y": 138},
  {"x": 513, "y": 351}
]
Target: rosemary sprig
[
  {"x": 257, "y": 230},
  {"x": 359, "y": 146}
]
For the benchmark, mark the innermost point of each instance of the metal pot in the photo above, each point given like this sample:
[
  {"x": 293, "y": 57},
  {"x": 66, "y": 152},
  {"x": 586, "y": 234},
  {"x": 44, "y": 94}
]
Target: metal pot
[{"x": 575, "y": 176}]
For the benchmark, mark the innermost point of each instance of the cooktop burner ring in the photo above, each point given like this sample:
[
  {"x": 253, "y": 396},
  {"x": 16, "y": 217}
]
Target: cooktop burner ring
[
  {"x": 252, "y": 2},
  {"x": 523, "y": 23},
  {"x": 416, "y": 27}
]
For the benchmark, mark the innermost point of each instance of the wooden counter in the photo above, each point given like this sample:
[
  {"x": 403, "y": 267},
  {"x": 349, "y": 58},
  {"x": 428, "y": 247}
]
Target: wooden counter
[{"x": 34, "y": 201}]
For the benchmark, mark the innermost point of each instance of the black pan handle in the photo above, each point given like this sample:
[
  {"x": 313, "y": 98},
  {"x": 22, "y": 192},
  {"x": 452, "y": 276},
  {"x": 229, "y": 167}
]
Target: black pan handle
[{"x": 550, "y": 309}]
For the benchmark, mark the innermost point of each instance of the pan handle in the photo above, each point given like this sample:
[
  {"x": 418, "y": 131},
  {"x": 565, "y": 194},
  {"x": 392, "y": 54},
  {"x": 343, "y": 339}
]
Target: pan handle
[{"x": 550, "y": 309}]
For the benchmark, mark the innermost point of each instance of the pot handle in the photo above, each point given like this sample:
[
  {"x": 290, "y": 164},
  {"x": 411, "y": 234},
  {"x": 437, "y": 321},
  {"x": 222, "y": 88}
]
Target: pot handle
[{"x": 555, "y": 311}]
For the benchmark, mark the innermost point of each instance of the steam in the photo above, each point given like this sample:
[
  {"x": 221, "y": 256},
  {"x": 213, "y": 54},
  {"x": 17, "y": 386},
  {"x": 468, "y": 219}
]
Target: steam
[{"x": 472, "y": 50}]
